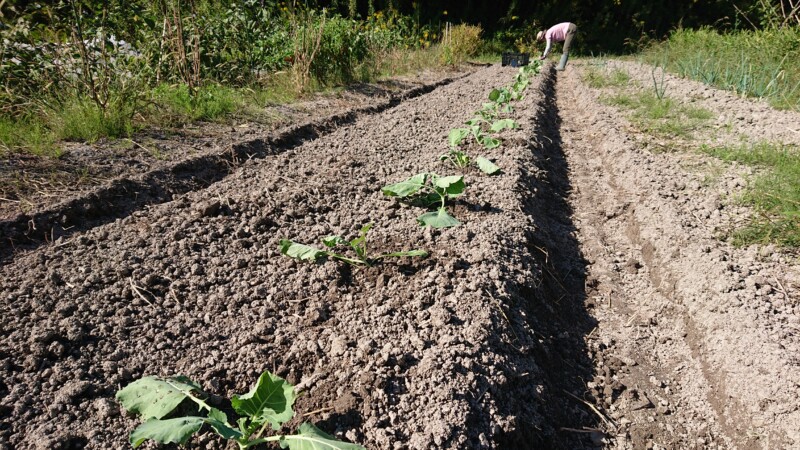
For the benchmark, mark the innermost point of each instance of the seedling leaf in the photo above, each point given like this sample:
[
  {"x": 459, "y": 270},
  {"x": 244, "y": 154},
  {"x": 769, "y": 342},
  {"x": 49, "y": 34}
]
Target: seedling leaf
[
  {"x": 301, "y": 251},
  {"x": 453, "y": 185},
  {"x": 456, "y": 136},
  {"x": 503, "y": 124},
  {"x": 171, "y": 431},
  {"x": 310, "y": 437},
  {"x": 219, "y": 422},
  {"x": 486, "y": 166},
  {"x": 270, "y": 400},
  {"x": 494, "y": 95},
  {"x": 407, "y": 187},
  {"x": 155, "y": 397},
  {"x": 489, "y": 142},
  {"x": 438, "y": 219},
  {"x": 333, "y": 241}
]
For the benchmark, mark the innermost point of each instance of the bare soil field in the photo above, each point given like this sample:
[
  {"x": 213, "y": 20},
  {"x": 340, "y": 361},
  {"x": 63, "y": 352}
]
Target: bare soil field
[{"x": 586, "y": 301}]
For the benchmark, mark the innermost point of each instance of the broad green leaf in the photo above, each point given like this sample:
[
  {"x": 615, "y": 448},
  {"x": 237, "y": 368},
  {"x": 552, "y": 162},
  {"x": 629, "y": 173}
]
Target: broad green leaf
[
  {"x": 504, "y": 124},
  {"x": 218, "y": 420},
  {"x": 407, "y": 187},
  {"x": 333, "y": 241},
  {"x": 486, "y": 166},
  {"x": 421, "y": 253},
  {"x": 494, "y": 95},
  {"x": 456, "y": 136},
  {"x": 438, "y": 219},
  {"x": 301, "y": 251},
  {"x": 310, "y": 437},
  {"x": 452, "y": 185},
  {"x": 170, "y": 431},
  {"x": 474, "y": 121},
  {"x": 155, "y": 397},
  {"x": 270, "y": 400},
  {"x": 489, "y": 142}
]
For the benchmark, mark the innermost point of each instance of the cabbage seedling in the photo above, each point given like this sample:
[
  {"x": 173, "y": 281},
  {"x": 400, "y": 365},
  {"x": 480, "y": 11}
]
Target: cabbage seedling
[
  {"x": 462, "y": 160},
  {"x": 457, "y": 157},
  {"x": 457, "y": 136},
  {"x": 358, "y": 245},
  {"x": 268, "y": 404},
  {"x": 429, "y": 190}
]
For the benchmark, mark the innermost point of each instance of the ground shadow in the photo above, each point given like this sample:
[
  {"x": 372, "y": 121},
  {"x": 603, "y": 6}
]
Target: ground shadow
[{"x": 554, "y": 309}]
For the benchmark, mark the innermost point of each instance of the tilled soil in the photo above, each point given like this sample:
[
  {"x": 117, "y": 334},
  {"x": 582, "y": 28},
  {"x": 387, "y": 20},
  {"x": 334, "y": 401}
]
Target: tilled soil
[
  {"x": 698, "y": 340},
  {"x": 42, "y": 199},
  {"x": 586, "y": 301},
  {"x": 460, "y": 350}
]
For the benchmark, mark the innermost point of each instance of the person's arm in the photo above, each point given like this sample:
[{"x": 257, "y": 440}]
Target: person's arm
[{"x": 547, "y": 48}]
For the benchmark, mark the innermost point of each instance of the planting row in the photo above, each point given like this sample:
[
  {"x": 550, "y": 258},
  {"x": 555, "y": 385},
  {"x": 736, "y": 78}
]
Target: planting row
[{"x": 270, "y": 401}]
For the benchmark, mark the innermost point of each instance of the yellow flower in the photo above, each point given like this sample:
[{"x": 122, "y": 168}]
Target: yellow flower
[{"x": 444, "y": 13}]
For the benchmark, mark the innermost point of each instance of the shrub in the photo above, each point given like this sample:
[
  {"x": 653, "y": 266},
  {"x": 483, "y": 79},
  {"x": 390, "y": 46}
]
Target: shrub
[{"x": 461, "y": 42}]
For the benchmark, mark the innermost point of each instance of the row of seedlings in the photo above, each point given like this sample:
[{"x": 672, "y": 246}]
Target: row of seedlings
[{"x": 269, "y": 403}]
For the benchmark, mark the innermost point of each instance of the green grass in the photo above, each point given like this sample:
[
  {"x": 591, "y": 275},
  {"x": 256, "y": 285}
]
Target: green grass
[
  {"x": 486, "y": 58},
  {"x": 775, "y": 192},
  {"x": 764, "y": 63},
  {"x": 599, "y": 78},
  {"x": 82, "y": 120},
  {"x": 178, "y": 104},
  {"x": 663, "y": 116},
  {"x": 26, "y": 136}
]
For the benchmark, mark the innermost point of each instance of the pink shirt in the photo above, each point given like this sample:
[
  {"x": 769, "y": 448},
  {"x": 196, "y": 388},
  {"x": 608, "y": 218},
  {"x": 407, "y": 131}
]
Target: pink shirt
[{"x": 557, "y": 32}]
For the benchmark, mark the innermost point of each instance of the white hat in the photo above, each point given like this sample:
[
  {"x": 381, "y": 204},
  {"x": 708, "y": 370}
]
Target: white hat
[{"x": 540, "y": 35}]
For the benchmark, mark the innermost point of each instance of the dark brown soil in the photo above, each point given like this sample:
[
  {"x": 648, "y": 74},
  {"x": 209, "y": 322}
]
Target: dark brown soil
[
  {"x": 587, "y": 301},
  {"x": 465, "y": 349}
]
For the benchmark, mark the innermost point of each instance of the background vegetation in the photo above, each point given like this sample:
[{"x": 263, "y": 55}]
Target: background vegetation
[{"x": 84, "y": 69}]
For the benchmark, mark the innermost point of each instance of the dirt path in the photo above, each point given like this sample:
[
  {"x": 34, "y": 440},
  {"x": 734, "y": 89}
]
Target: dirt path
[{"x": 697, "y": 341}]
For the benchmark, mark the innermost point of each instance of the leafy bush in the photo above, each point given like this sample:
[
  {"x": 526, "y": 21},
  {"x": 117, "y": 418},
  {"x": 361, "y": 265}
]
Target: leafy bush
[
  {"x": 344, "y": 47},
  {"x": 462, "y": 42}
]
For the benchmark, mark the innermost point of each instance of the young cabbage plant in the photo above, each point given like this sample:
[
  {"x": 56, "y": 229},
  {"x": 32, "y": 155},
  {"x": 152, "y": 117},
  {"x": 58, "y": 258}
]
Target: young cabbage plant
[
  {"x": 429, "y": 190},
  {"x": 457, "y": 136},
  {"x": 358, "y": 245},
  {"x": 267, "y": 405},
  {"x": 462, "y": 160},
  {"x": 457, "y": 157},
  {"x": 503, "y": 124}
]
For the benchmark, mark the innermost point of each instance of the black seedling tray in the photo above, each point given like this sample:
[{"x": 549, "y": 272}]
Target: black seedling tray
[{"x": 516, "y": 59}]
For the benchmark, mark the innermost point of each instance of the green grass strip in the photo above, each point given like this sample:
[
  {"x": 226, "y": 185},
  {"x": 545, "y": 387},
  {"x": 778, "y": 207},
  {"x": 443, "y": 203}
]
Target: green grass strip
[
  {"x": 763, "y": 63},
  {"x": 775, "y": 192}
]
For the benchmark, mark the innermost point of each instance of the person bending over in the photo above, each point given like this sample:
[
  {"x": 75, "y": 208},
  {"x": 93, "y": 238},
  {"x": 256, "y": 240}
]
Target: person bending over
[{"x": 563, "y": 32}]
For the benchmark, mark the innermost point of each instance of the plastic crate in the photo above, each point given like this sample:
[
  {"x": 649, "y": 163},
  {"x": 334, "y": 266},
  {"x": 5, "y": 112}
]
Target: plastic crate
[{"x": 516, "y": 59}]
